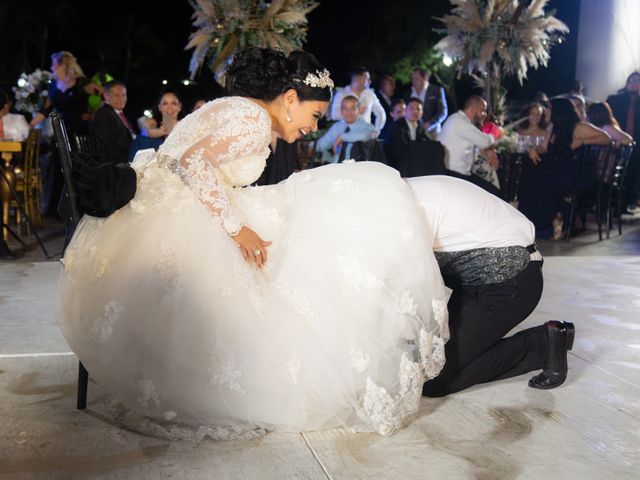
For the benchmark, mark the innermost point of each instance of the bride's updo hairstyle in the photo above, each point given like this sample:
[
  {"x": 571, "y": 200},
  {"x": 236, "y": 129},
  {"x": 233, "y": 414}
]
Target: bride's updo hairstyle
[{"x": 263, "y": 74}]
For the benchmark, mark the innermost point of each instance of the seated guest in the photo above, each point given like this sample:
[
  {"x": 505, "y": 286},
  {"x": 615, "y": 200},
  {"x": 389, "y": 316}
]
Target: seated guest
[
  {"x": 152, "y": 136},
  {"x": 542, "y": 194},
  {"x": 13, "y": 126},
  {"x": 600, "y": 115},
  {"x": 463, "y": 141},
  {"x": 535, "y": 125},
  {"x": 407, "y": 131},
  {"x": 396, "y": 112},
  {"x": 486, "y": 252},
  {"x": 434, "y": 101},
  {"x": 342, "y": 134},
  {"x": 385, "y": 92},
  {"x": 580, "y": 104},
  {"x": 197, "y": 103},
  {"x": 369, "y": 103},
  {"x": 111, "y": 124}
]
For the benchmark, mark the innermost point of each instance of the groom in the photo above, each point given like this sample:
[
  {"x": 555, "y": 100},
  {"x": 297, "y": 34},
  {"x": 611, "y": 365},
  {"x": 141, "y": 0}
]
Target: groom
[{"x": 486, "y": 253}]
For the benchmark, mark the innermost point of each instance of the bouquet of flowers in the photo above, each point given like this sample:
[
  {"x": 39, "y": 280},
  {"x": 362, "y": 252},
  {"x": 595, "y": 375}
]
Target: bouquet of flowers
[
  {"x": 32, "y": 90},
  {"x": 508, "y": 142}
]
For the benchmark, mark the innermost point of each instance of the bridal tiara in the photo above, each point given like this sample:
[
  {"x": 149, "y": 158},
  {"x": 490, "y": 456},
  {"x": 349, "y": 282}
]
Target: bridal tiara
[{"x": 320, "y": 79}]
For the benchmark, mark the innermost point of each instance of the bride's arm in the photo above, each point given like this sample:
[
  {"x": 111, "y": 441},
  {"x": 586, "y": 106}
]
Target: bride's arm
[{"x": 200, "y": 165}]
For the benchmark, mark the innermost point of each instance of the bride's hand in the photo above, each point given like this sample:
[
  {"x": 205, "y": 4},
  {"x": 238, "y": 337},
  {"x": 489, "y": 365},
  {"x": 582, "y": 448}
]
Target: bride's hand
[{"x": 253, "y": 248}]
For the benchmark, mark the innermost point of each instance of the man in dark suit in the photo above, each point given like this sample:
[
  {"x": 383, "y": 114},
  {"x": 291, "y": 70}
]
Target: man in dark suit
[
  {"x": 385, "y": 93},
  {"x": 410, "y": 150},
  {"x": 434, "y": 102},
  {"x": 626, "y": 108},
  {"x": 111, "y": 125}
]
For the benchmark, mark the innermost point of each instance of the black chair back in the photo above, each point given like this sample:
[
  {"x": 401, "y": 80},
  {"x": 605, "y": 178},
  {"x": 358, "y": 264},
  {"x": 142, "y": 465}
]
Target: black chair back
[
  {"x": 623, "y": 154},
  {"x": 69, "y": 206},
  {"x": 89, "y": 144}
]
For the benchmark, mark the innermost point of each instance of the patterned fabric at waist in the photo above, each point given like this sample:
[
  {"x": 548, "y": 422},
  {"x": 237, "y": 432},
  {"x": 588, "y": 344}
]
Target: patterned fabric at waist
[{"x": 483, "y": 266}]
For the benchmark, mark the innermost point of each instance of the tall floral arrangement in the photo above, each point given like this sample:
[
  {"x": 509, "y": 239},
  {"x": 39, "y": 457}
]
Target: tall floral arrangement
[
  {"x": 31, "y": 90},
  {"x": 500, "y": 37},
  {"x": 223, "y": 26}
]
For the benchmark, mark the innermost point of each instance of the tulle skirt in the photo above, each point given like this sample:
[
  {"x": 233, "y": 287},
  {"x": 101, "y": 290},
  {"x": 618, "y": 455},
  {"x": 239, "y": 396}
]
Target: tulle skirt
[{"x": 340, "y": 328}]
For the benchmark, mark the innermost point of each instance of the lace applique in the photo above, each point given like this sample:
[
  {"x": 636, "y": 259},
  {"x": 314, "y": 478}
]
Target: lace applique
[
  {"x": 223, "y": 144},
  {"x": 225, "y": 370},
  {"x": 149, "y": 393},
  {"x": 243, "y": 273},
  {"x": 102, "y": 267},
  {"x": 431, "y": 353},
  {"x": 406, "y": 304},
  {"x": 440, "y": 313},
  {"x": 359, "y": 360},
  {"x": 297, "y": 300},
  {"x": 294, "y": 365},
  {"x": 167, "y": 266},
  {"x": 103, "y": 326},
  {"x": 202, "y": 179},
  {"x": 388, "y": 413},
  {"x": 356, "y": 274},
  {"x": 169, "y": 415}
]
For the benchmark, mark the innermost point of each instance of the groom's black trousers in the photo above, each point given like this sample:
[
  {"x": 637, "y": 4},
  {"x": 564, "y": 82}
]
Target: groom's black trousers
[{"x": 479, "y": 318}]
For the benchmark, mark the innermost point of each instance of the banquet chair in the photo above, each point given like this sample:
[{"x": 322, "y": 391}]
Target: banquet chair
[
  {"x": 70, "y": 209},
  {"x": 594, "y": 198},
  {"x": 90, "y": 144},
  {"x": 623, "y": 154},
  {"x": 28, "y": 184}
]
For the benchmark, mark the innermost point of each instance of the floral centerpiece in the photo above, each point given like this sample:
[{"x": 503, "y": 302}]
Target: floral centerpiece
[
  {"x": 508, "y": 142},
  {"x": 223, "y": 26},
  {"x": 32, "y": 90}
]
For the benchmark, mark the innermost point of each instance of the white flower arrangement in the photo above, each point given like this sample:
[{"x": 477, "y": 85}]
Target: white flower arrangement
[{"x": 32, "y": 90}]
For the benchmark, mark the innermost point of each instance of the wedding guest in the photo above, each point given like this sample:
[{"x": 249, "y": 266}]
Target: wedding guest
[
  {"x": 68, "y": 93},
  {"x": 625, "y": 106},
  {"x": 543, "y": 99},
  {"x": 535, "y": 125},
  {"x": 463, "y": 141},
  {"x": 197, "y": 103},
  {"x": 396, "y": 112},
  {"x": 486, "y": 252},
  {"x": 542, "y": 194},
  {"x": 111, "y": 124},
  {"x": 600, "y": 115},
  {"x": 344, "y": 133},
  {"x": 156, "y": 130},
  {"x": 580, "y": 104},
  {"x": 434, "y": 101},
  {"x": 407, "y": 131},
  {"x": 69, "y": 96},
  {"x": 385, "y": 93},
  {"x": 13, "y": 126},
  {"x": 369, "y": 103}
]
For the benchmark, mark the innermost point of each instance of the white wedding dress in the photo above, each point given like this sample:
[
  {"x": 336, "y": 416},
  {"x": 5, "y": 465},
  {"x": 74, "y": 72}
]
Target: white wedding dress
[{"x": 340, "y": 328}]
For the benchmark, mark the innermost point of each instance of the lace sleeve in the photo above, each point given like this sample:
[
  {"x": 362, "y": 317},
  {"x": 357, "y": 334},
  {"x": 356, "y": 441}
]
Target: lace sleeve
[{"x": 237, "y": 133}]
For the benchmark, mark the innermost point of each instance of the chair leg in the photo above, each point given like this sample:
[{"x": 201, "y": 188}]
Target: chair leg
[
  {"x": 599, "y": 214},
  {"x": 83, "y": 384}
]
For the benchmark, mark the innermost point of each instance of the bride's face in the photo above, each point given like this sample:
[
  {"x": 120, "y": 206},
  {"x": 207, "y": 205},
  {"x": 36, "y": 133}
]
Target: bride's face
[{"x": 304, "y": 116}]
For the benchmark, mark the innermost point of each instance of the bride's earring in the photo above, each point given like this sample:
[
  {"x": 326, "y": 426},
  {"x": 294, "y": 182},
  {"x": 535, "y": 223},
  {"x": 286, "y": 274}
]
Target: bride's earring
[{"x": 288, "y": 117}]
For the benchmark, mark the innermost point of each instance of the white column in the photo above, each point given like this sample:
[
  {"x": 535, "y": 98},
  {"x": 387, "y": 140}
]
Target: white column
[{"x": 608, "y": 45}]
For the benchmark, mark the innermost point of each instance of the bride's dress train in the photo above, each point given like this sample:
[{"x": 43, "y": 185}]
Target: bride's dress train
[{"x": 340, "y": 328}]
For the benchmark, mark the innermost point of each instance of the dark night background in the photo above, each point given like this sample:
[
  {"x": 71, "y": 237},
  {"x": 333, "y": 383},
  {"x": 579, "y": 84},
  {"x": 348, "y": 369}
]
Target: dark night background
[{"x": 142, "y": 42}]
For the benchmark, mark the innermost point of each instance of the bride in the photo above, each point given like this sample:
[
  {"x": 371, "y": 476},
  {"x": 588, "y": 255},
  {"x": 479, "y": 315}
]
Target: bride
[{"x": 315, "y": 303}]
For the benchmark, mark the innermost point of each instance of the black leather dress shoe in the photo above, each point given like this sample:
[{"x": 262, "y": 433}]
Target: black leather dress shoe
[
  {"x": 561, "y": 335},
  {"x": 5, "y": 252}
]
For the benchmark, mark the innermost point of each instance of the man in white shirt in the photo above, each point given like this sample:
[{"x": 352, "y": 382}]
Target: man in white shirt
[
  {"x": 369, "y": 103},
  {"x": 463, "y": 140},
  {"x": 486, "y": 253}
]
